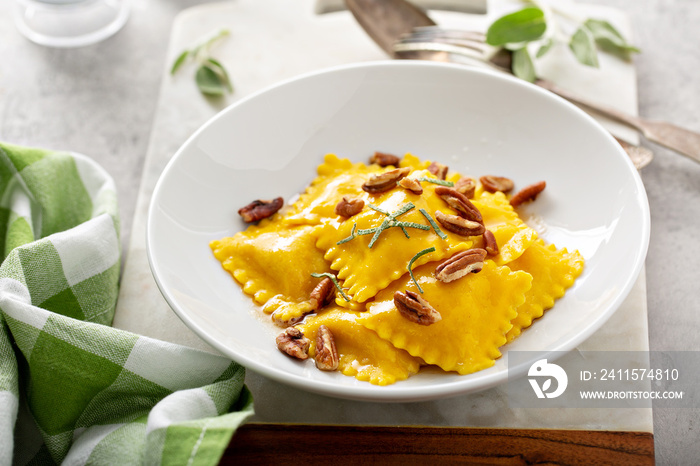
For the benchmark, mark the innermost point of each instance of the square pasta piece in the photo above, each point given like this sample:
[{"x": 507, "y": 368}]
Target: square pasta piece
[
  {"x": 553, "y": 272},
  {"x": 362, "y": 354},
  {"x": 337, "y": 178},
  {"x": 476, "y": 313},
  {"x": 512, "y": 235},
  {"x": 273, "y": 263},
  {"x": 368, "y": 260}
]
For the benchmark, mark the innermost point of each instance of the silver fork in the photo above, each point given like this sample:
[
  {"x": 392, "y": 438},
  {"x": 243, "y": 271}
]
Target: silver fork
[{"x": 435, "y": 43}]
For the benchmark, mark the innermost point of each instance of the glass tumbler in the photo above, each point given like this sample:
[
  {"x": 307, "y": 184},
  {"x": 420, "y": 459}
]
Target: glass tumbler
[{"x": 70, "y": 23}]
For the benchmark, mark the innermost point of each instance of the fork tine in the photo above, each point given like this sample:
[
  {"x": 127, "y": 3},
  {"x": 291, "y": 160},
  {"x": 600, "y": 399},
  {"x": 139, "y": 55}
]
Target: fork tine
[
  {"x": 501, "y": 61},
  {"x": 477, "y": 46},
  {"x": 436, "y": 46},
  {"x": 470, "y": 44},
  {"x": 437, "y": 31},
  {"x": 469, "y": 39}
]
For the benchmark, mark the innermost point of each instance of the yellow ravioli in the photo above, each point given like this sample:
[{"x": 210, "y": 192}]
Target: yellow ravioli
[
  {"x": 361, "y": 352},
  {"x": 274, "y": 264},
  {"x": 273, "y": 261},
  {"x": 413, "y": 162},
  {"x": 336, "y": 178},
  {"x": 285, "y": 312},
  {"x": 512, "y": 235},
  {"x": 553, "y": 271},
  {"x": 476, "y": 314},
  {"x": 366, "y": 270}
]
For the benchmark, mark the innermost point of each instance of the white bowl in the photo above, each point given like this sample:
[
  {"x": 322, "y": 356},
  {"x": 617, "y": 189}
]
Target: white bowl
[{"x": 475, "y": 121}]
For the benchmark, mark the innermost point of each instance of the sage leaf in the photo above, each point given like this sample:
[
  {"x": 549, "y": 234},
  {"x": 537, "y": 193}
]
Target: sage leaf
[
  {"x": 219, "y": 68},
  {"x": 209, "y": 81},
  {"x": 544, "y": 48},
  {"x": 522, "y": 66},
  {"x": 179, "y": 61},
  {"x": 211, "y": 77},
  {"x": 522, "y": 26},
  {"x": 449, "y": 184},
  {"x": 582, "y": 45},
  {"x": 410, "y": 264},
  {"x": 609, "y": 39}
]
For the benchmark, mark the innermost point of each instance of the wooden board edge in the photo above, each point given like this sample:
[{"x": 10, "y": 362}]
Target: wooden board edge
[{"x": 335, "y": 444}]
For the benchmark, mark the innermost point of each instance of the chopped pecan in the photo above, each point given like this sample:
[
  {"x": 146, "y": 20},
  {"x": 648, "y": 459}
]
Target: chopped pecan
[
  {"x": 293, "y": 342},
  {"x": 349, "y": 207},
  {"x": 438, "y": 170},
  {"x": 460, "y": 203},
  {"x": 459, "y": 225},
  {"x": 258, "y": 209},
  {"x": 326, "y": 354},
  {"x": 493, "y": 183},
  {"x": 461, "y": 264},
  {"x": 322, "y": 294},
  {"x": 384, "y": 160},
  {"x": 527, "y": 194},
  {"x": 466, "y": 186},
  {"x": 413, "y": 307},
  {"x": 490, "y": 244},
  {"x": 412, "y": 185},
  {"x": 384, "y": 181}
]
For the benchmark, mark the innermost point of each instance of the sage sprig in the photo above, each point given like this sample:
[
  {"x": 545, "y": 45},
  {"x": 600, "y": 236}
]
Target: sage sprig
[
  {"x": 427, "y": 179},
  {"x": 435, "y": 226},
  {"x": 531, "y": 25},
  {"x": 413, "y": 259},
  {"x": 390, "y": 221},
  {"x": 609, "y": 39},
  {"x": 335, "y": 282},
  {"x": 351, "y": 237},
  {"x": 211, "y": 76}
]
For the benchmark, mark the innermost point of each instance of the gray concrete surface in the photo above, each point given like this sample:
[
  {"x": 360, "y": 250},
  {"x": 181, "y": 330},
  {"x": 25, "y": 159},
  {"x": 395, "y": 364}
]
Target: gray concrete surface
[{"x": 101, "y": 99}]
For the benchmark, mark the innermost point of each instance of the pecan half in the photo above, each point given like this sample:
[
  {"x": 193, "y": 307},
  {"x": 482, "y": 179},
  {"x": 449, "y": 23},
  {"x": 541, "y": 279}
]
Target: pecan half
[
  {"x": 466, "y": 186},
  {"x": 412, "y": 185},
  {"x": 460, "y": 203},
  {"x": 322, "y": 294},
  {"x": 258, "y": 209},
  {"x": 413, "y": 307},
  {"x": 326, "y": 354},
  {"x": 384, "y": 181},
  {"x": 461, "y": 264},
  {"x": 527, "y": 194},
  {"x": 293, "y": 342},
  {"x": 349, "y": 207},
  {"x": 490, "y": 244},
  {"x": 493, "y": 183},
  {"x": 438, "y": 170},
  {"x": 384, "y": 160},
  {"x": 459, "y": 225}
]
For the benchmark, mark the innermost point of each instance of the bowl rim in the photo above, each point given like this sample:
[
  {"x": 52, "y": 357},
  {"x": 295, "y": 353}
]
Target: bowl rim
[{"x": 398, "y": 392}]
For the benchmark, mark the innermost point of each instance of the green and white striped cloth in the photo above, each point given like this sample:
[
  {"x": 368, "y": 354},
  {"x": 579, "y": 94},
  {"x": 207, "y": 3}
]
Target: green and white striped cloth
[{"x": 74, "y": 390}]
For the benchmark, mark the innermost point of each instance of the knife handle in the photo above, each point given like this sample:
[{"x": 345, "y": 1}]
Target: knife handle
[{"x": 674, "y": 137}]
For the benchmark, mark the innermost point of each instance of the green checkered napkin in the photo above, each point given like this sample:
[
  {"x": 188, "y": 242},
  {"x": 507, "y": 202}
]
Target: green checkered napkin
[{"x": 73, "y": 389}]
